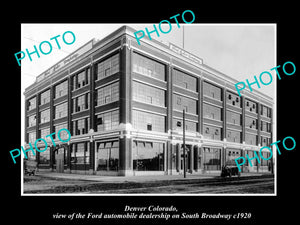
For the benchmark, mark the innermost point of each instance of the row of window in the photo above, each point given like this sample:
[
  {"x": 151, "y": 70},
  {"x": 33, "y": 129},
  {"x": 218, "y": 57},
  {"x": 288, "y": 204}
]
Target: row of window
[
  {"x": 144, "y": 93},
  {"x": 147, "y": 156},
  {"x": 148, "y": 94}
]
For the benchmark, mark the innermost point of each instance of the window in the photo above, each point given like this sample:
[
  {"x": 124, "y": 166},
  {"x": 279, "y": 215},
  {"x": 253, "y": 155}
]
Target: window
[
  {"x": 212, "y": 112},
  {"x": 141, "y": 119},
  {"x": 61, "y": 110},
  {"x": 211, "y": 132},
  {"x": 148, "y": 67},
  {"x": 251, "y": 106},
  {"x": 64, "y": 135},
  {"x": 44, "y": 133},
  {"x": 234, "y": 118},
  {"x": 81, "y": 79},
  {"x": 107, "y": 121},
  {"x": 251, "y": 139},
  {"x": 251, "y": 156},
  {"x": 31, "y": 104},
  {"x": 61, "y": 89},
  {"x": 185, "y": 81},
  {"x": 251, "y": 122},
  {"x": 45, "y": 97},
  {"x": 31, "y": 137},
  {"x": 212, "y": 158},
  {"x": 81, "y": 126},
  {"x": 234, "y": 136},
  {"x": 44, "y": 158},
  {"x": 108, "y": 67},
  {"x": 265, "y": 111},
  {"x": 81, "y": 103},
  {"x": 265, "y": 155},
  {"x": 189, "y": 125},
  {"x": 233, "y": 99},
  {"x": 187, "y": 104},
  {"x": 231, "y": 155},
  {"x": 108, "y": 94},
  {"x": 212, "y": 91},
  {"x": 107, "y": 156},
  {"x": 149, "y": 126},
  {"x": 148, "y": 94},
  {"x": 148, "y": 156},
  {"x": 45, "y": 116},
  {"x": 31, "y": 121},
  {"x": 265, "y": 126},
  {"x": 80, "y": 154}
]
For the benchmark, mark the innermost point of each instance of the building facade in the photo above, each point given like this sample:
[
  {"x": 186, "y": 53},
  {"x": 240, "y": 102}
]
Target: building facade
[{"x": 123, "y": 104}]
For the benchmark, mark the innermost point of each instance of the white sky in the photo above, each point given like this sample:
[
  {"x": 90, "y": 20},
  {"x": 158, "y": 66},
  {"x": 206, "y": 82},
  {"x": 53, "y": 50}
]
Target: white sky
[{"x": 237, "y": 50}]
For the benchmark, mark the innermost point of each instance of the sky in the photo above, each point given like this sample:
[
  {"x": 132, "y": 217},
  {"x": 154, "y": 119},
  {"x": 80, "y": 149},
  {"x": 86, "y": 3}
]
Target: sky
[{"x": 237, "y": 50}]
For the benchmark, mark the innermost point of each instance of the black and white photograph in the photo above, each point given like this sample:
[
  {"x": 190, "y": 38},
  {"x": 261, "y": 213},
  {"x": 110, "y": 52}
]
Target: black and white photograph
[
  {"x": 172, "y": 118},
  {"x": 149, "y": 118}
]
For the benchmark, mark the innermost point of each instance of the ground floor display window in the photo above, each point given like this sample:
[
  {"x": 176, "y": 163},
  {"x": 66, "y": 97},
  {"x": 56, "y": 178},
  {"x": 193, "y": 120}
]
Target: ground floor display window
[
  {"x": 80, "y": 153},
  {"x": 107, "y": 156},
  {"x": 212, "y": 158},
  {"x": 251, "y": 155},
  {"x": 265, "y": 155},
  {"x": 148, "y": 156},
  {"x": 230, "y": 156},
  {"x": 44, "y": 157}
]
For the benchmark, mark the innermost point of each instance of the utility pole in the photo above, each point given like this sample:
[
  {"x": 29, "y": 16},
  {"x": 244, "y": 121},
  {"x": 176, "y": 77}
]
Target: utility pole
[{"x": 184, "y": 163}]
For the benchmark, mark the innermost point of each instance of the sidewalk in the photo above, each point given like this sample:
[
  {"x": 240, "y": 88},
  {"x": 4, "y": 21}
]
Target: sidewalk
[{"x": 142, "y": 179}]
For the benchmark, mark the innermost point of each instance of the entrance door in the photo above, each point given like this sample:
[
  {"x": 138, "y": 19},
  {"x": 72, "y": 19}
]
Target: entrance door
[
  {"x": 60, "y": 161},
  {"x": 187, "y": 158}
]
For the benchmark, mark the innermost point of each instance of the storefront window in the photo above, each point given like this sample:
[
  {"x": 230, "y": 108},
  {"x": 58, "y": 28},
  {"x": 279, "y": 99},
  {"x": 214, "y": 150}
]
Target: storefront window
[
  {"x": 250, "y": 156},
  {"x": 231, "y": 155},
  {"x": 212, "y": 159},
  {"x": 80, "y": 153},
  {"x": 148, "y": 156},
  {"x": 44, "y": 157},
  {"x": 107, "y": 157},
  {"x": 265, "y": 155}
]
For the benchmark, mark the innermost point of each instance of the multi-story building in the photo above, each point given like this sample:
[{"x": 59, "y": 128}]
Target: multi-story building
[{"x": 123, "y": 104}]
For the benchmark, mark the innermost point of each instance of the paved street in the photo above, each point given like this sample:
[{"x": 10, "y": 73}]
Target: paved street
[{"x": 52, "y": 183}]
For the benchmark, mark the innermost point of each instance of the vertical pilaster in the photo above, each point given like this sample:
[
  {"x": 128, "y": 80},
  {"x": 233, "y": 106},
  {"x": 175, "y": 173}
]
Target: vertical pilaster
[
  {"x": 125, "y": 149},
  {"x": 70, "y": 128},
  {"x": 191, "y": 158},
  {"x": 92, "y": 115},
  {"x": 200, "y": 105},
  {"x": 52, "y": 96},
  {"x": 69, "y": 122},
  {"x": 168, "y": 159},
  {"x": 201, "y": 152},
  {"x": 224, "y": 113},
  {"x": 169, "y": 103},
  {"x": 196, "y": 156},
  {"x": 178, "y": 158},
  {"x": 38, "y": 135},
  {"x": 258, "y": 123},
  {"x": 223, "y": 151},
  {"x": 243, "y": 119}
]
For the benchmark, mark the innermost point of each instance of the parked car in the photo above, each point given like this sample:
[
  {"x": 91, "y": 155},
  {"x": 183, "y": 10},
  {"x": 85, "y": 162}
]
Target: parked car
[{"x": 230, "y": 171}]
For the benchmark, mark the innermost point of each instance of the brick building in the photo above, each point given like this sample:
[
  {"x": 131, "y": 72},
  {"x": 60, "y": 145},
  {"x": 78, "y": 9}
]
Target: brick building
[{"x": 123, "y": 103}]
